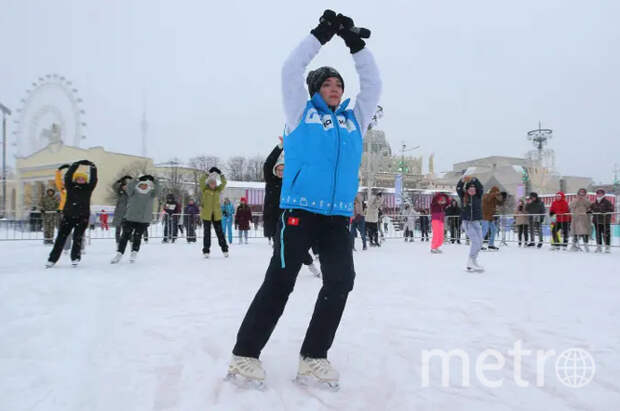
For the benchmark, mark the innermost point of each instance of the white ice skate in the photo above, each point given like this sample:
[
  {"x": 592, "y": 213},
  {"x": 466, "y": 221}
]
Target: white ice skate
[
  {"x": 473, "y": 267},
  {"x": 246, "y": 372},
  {"x": 205, "y": 255},
  {"x": 586, "y": 247},
  {"x": 117, "y": 258},
  {"x": 317, "y": 371},
  {"x": 599, "y": 249},
  {"x": 608, "y": 249},
  {"x": 226, "y": 254},
  {"x": 49, "y": 264},
  {"x": 436, "y": 251},
  {"x": 314, "y": 270},
  {"x": 575, "y": 248},
  {"x": 75, "y": 263},
  {"x": 133, "y": 256}
]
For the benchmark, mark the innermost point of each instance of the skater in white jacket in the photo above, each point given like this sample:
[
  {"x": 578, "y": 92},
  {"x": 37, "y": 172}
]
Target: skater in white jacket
[
  {"x": 410, "y": 216},
  {"x": 323, "y": 146}
]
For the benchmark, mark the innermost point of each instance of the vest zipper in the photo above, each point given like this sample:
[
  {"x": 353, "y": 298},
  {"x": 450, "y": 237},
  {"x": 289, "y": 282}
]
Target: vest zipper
[{"x": 337, "y": 126}]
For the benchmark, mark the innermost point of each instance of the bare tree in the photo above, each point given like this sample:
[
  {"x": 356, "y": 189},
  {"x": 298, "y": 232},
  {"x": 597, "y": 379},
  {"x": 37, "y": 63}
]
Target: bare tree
[
  {"x": 254, "y": 169},
  {"x": 204, "y": 162},
  {"x": 236, "y": 167},
  {"x": 173, "y": 181}
]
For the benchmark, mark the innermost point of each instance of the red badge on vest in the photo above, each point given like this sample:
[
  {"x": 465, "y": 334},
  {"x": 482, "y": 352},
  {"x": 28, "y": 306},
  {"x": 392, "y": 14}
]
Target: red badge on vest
[{"x": 294, "y": 221}]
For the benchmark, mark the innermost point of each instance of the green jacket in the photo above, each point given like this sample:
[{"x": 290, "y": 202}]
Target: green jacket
[
  {"x": 49, "y": 203},
  {"x": 211, "y": 210},
  {"x": 140, "y": 202}
]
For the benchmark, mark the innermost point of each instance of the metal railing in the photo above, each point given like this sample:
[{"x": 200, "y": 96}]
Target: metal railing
[
  {"x": 33, "y": 227},
  {"x": 392, "y": 227},
  {"x": 506, "y": 229}
]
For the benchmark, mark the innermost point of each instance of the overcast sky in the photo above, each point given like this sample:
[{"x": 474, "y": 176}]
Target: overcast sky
[{"x": 463, "y": 79}]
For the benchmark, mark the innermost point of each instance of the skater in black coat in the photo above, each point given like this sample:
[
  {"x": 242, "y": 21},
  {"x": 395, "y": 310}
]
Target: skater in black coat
[
  {"x": 453, "y": 215},
  {"x": 172, "y": 211},
  {"x": 273, "y": 170},
  {"x": 76, "y": 212},
  {"x": 536, "y": 211}
]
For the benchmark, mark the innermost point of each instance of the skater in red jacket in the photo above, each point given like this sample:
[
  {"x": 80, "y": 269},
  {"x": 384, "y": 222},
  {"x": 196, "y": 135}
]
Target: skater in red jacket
[
  {"x": 560, "y": 212},
  {"x": 103, "y": 219}
]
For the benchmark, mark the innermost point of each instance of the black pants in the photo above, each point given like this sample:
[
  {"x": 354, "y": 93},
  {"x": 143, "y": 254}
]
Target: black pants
[
  {"x": 206, "y": 239},
  {"x": 454, "y": 224},
  {"x": 373, "y": 232},
  {"x": 78, "y": 226},
  {"x": 564, "y": 227},
  {"x": 603, "y": 233},
  {"x": 535, "y": 229},
  {"x": 190, "y": 224},
  {"x": 408, "y": 233},
  {"x": 299, "y": 230},
  {"x": 584, "y": 237},
  {"x": 133, "y": 230},
  {"x": 424, "y": 230},
  {"x": 171, "y": 227},
  {"x": 118, "y": 233},
  {"x": 523, "y": 232}
]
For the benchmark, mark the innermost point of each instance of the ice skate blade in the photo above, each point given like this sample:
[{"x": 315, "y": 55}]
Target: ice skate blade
[
  {"x": 246, "y": 383},
  {"x": 474, "y": 270},
  {"x": 310, "y": 381}
]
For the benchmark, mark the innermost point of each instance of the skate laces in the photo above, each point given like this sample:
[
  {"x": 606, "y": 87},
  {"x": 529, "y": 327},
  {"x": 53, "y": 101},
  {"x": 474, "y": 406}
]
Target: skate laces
[
  {"x": 248, "y": 365},
  {"x": 320, "y": 366}
]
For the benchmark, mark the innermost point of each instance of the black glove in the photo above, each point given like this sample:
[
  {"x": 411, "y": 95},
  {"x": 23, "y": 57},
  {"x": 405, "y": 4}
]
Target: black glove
[
  {"x": 353, "y": 40},
  {"x": 326, "y": 28},
  {"x": 215, "y": 170},
  {"x": 62, "y": 167}
]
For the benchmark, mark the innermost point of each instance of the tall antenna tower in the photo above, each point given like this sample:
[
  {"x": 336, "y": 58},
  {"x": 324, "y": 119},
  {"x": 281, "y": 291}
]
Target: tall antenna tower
[
  {"x": 144, "y": 125},
  {"x": 539, "y": 138}
]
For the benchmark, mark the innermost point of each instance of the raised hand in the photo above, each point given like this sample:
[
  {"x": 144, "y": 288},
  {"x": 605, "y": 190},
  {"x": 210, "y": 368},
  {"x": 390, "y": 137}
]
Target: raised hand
[
  {"x": 351, "y": 38},
  {"x": 327, "y": 27}
]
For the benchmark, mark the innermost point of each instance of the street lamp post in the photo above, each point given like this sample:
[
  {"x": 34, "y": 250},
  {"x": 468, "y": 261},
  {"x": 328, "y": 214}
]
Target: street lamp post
[{"x": 5, "y": 110}]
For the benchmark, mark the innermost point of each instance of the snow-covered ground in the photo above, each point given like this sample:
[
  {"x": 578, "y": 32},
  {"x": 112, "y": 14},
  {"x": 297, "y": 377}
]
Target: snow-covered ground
[{"x": 157, "y": 335}]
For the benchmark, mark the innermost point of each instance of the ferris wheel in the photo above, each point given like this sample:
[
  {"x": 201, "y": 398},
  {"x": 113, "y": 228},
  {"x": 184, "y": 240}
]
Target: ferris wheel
[{"x": 50, "y": 112}]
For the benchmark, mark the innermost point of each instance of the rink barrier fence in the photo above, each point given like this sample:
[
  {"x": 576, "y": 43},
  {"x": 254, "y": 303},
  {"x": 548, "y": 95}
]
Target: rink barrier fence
[{"x": 31, "y": 228}]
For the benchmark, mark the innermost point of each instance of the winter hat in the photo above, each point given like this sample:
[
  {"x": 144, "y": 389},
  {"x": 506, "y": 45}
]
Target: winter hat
[
  {"x": 534, "y": 195},
  {"x": 600, "y": 190},
  {"x": 79, "y": 174},
  {"x": 52, "y": 190},
  {"x": 243, "y": 200},
  {"x": 316, "y": 78},
  {"x": 212, "y": 177},
  {"x": 144, "y": 187},
  {"x": 280, "y": 162}
]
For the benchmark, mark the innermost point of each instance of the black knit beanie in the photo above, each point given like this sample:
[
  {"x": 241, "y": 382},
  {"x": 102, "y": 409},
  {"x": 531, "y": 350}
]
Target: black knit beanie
[{"x": 316, "y": 78}]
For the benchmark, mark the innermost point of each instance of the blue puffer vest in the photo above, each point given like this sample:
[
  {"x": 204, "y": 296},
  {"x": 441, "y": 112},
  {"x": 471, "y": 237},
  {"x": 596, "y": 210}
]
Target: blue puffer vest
[{"x": 323, "y": 156}]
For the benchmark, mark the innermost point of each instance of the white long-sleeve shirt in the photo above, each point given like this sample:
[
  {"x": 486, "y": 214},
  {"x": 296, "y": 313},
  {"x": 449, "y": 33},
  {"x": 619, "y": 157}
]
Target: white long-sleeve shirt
[{"x": 295, "y": 94}]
